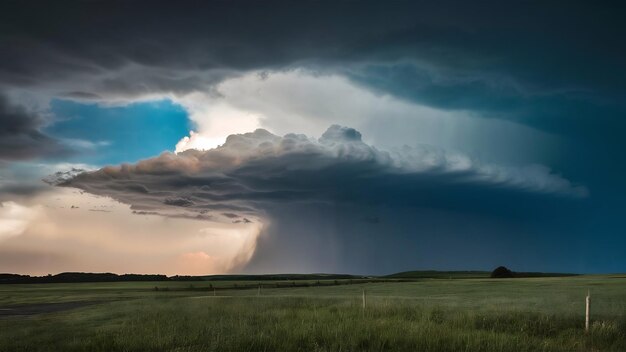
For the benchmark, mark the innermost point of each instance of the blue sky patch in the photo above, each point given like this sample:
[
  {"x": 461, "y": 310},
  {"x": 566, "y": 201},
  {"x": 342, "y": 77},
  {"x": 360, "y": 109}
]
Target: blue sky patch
[{"x": 113, "y": 135}]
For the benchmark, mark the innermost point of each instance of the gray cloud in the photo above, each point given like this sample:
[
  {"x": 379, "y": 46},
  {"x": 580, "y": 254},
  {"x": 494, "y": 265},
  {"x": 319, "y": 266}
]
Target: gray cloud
[
  {"x": 20, "y": 135},
  {"x": 564, "y": 75},
  {"x": 119, "y": 50},
  {"x": 62, "y": 176},
  {"x": 254, "y": 169},
  {"x": 338, "y": 204}
]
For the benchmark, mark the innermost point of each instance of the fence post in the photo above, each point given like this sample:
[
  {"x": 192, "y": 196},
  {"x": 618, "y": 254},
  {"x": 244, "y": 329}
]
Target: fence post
[
  {"x": 213, "y": 291},
  {"x": 259, "y": 293},
  {"x": 364, "y": 300},
  {"x": 587, "y": 308}
]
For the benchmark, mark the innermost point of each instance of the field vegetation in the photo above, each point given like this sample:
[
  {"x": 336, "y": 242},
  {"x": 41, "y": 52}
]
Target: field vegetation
[{"x": 453, "y": 314}]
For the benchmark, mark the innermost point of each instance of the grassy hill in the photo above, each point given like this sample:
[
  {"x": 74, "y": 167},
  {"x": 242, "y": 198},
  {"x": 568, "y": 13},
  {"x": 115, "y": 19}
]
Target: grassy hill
[
  {"x": 433, "y": 274},
  {"x": 468, "y": 274}
]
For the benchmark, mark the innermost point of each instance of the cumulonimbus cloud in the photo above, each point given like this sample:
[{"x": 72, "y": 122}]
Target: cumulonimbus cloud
[{"x": 252, "y": 170}]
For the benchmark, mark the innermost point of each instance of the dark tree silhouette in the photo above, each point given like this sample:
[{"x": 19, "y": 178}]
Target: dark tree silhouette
[{"x": 501, "y": 272}]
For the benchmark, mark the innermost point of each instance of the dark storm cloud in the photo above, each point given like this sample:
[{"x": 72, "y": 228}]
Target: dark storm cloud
[
  {"x": 491, "y": 55},
  {"x": 338, "y": 204},
  {"x": 252, "y": 170},
  {"x": 557, "y": 66},
  {"x": 20, "y": 135},
  {"x": 560, "y": 109}
]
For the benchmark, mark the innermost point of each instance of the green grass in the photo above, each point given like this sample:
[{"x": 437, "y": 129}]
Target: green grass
[{"x": 534, "y": 314}]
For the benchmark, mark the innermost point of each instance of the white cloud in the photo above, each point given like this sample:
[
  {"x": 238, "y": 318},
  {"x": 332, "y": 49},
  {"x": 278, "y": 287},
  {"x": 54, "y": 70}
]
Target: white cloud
[
  {"x": 14, "y": 219},
  {"x": 85, "y": 144},
  {"x": 215, "y": 119},
  {"x": 299, "y": 100}
]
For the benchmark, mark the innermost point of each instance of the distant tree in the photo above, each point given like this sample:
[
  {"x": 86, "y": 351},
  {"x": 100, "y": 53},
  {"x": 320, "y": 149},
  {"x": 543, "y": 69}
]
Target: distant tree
[{"x": 501, "y": 272}]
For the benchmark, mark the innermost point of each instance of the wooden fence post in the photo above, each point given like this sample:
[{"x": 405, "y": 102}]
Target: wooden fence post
[
  {"x": 364, "y": 300},
  {"x": 259, "y": 293},
  {"x": 587, "y": 308}
]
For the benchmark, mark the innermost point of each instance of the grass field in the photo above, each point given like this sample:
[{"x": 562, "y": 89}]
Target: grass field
[{"x": 533, "y": 314}]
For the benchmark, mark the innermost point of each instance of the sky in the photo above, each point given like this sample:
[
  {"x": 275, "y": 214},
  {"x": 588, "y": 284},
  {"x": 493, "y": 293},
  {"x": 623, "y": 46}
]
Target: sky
[{"x": 369, "y": 137}]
